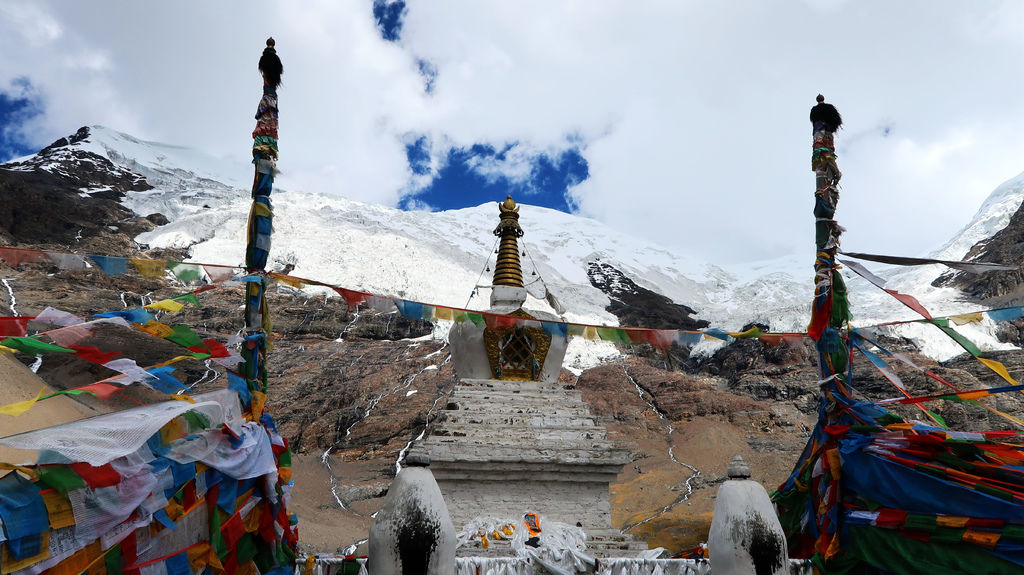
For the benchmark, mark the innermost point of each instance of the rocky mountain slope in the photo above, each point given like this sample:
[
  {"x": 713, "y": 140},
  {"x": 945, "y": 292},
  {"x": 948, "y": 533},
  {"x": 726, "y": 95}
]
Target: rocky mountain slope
[{"x": 350, "y": 387}]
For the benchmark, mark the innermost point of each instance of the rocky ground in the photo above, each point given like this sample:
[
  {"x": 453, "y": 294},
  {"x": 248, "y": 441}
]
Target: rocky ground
[{"x": 350, "y": 388}]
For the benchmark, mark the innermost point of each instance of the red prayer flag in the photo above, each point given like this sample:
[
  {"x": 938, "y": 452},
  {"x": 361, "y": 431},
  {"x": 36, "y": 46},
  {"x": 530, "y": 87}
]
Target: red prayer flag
[
  {"x": 267, "y": 532},
  {"x": 911, "y": 302},
  {"x": 14, "y": 326},
  {"x": 101, "y": 390},
  {"x": 216, "y": 348},
  {"x": 352, "y": 298},
  {"x": 94, "y": 354},
  {"x": 16, "y": 257},
  {"x": 233, "y": 529},
  {"x": 96, "y": 477}
]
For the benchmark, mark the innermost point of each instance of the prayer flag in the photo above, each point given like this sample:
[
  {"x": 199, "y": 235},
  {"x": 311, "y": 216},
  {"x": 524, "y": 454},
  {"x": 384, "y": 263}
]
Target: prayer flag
[
  {"x": 60, "y": 478},
  {"x": 13, "y": 326},
  {"x": 184, "y": 336},
  {"x": 178, "y": 564},
  {"x": 18, "y": 408},
  {"x": 93, "y": 354},
  {"x": 97, "y": 477},
  {"x": 67, "y": 261},
  {"x": 190, "y": 297},
  {"x": 966, "y": 318},
  {"x": 15, "y": 257},
  {"x": 219, "y": 274},
  {"x": 24, "y": 516},
  {"x": 1006, "y": 314},
  {"x": 100, "y": 389},
  {"x": 168, "y": 305},
  {"x": 157, "y": 328},
  {"x": 111, "y": 265},
  {"x": 135, "y": 315},
  {"x": 999, "y": 368},
  {"x": 149, "y": 268},
  {"x": 32, "y": 346},
  {"x": 58, "y": 509},
  {"x": 186, "y": 273}
]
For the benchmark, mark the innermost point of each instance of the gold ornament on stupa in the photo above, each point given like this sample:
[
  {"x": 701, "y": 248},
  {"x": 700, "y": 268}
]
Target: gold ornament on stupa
[
  {"x": 508, "y": 271},
  {"x": 515, "y": 352}
]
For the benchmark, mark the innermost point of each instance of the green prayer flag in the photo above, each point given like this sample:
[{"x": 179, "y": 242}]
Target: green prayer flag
[
  {"x": 246, "y": 549},
  {"x": 918, "y": 522},
  {"x": 189, "y": 297},
  {"x": 937, "y": 418},
  {"x": 476, "y": 318},
  {"x": 285, "y": 460},
  {"x": 184, "y": 336},
  {"x": 196, "y": 421},
  {"x": 943, "y": 553},
  {"x": 60, "y": 477},
  {"x": 186, "y": 273},
  {"x": 613, "y": 334},
  {"x": 113, "y": 560},
  {"x": 32, "y": 346},
  {"x": 216, "y": 537},
  {"x": 943, "y": 324}
]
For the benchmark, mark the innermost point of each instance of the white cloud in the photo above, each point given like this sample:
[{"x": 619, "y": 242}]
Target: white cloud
[{"x": 692, "y": 116}]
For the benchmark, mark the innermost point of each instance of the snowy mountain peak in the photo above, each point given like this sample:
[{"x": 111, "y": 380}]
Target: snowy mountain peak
[{"x": 441, "y": 257}]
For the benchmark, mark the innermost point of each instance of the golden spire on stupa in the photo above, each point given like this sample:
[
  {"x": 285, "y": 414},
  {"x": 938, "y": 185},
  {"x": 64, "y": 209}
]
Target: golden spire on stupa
[{"x": 508, "y": 271}]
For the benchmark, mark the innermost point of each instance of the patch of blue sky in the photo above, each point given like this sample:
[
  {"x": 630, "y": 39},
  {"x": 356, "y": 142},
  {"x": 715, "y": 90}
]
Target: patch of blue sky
[
  {"x": 481, "y": 173},
  {"x": 389, "y": 15},
  {"x": 19, "y": 103}
]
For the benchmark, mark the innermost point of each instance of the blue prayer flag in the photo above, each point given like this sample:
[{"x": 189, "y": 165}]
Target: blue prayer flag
[{"x": 111, "y": 265}]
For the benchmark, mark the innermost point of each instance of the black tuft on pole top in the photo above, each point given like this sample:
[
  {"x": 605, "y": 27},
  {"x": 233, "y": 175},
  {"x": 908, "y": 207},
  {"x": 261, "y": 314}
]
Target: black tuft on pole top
[
  {"x": 270, "y": 65},
  {"x": 826, "y": 116}
]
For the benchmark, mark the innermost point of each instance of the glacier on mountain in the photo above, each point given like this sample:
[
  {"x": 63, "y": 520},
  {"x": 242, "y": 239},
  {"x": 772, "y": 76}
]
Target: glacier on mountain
[{"x": 441, "y": 257}]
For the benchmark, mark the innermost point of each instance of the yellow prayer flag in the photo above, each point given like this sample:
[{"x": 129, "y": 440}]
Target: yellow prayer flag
[
  {"x": 589, "y": 332},
  {"x": 156, "y": 328},
  {"x": 310, "y": 563},
  {"x": 241, "y": 499},
  {"x": 174, "y": 509},
  {"x": 259, "y": 401},
  {"x": 6, "y": 349},
  {"x": 199, "y": 557},
  {"x": 16, "y": 409},
  {"x": 150, "y": 268},
  {"x": 966, "y": 318},
  {"x": 26, "y": 471},
  {"x": 444, "y": 313},
  {"x": 79, "y": 562},
  {"x": 58, "y": 509},
  {"x": 835, "y": 464},
  {"x": 954, "y": 521},
  {"x": 285, "y": 473},
  {"x": 172, "y": 430},
  {"x": 290, "y": 281},
  {"x": 999, "y": 369},
  {"x": 252, "y": 520},
  {"x": 168, "y": 305},
  {"x": 986, "y": 539}
]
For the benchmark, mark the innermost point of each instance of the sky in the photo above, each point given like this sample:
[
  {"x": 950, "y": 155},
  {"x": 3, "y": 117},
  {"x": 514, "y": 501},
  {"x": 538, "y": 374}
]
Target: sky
[{"x": 681, "y": 122}]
